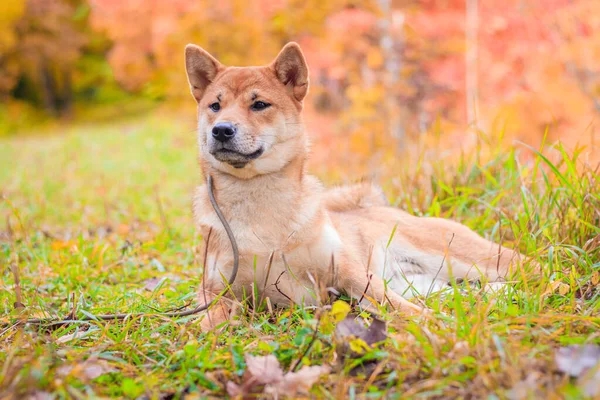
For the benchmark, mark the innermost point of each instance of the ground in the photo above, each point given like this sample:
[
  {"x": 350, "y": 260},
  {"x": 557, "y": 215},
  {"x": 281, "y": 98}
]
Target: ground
[{"x": 97, "y": 219}]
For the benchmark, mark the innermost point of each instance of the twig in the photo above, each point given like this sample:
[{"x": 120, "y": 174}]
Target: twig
[
  {"x": 171, "y": 310},
  {"x": 14, "y": 265},
  {"x": 499, "y": 245},
  {"x": 9, "y": 228},
  {"x": 280, "y": 292},
  {"x": 17, "y": 215},
  {"x": 73, "y": 313},
  {"x": 366, "y": 288},
  {"x": 264, "y": 291},
  {"x": 204, "y": 274},
  {"x": 369, "y": 276}
]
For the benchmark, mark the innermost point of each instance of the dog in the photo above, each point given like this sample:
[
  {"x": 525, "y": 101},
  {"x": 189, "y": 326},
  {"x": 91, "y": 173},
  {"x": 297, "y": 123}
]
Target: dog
[{"x": 293, "y": 234}]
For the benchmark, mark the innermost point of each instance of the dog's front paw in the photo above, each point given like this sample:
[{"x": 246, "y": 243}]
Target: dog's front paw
[{"x": 215, "y": 316}]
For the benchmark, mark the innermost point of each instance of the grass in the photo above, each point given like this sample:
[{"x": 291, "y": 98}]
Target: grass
[{"x": 97, "y": 220}]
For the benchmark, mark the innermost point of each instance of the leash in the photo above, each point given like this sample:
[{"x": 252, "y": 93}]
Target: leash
[{"x": 109, "y": 317}]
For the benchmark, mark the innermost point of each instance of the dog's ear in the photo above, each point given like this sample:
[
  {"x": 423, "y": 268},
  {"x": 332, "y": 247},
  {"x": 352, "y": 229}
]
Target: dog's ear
[
  {"x": 291, "y": 69},
  {"x": 201, "y": 68}
]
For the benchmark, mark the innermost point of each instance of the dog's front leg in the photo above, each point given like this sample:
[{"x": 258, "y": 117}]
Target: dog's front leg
[{"x": 218, "y": 312}]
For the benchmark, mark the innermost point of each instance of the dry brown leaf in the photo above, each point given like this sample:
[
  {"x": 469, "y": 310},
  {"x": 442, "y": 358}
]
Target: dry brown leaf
[
  {"x": 234, "y": 390},
  {"x": 581, "y": 362},
  {"x": 528, "y": 388},
  {"x": 264, "y": 374},
  {"x": 94, "y": 369},
  {"x": 576, "y": 360},
  {"x": 151, "y": 284},
  {"x": 90, "y": 369},
  {"x": 298, "y": 382},
  {"x": 264, "y": 369},
  {"x": 350, "y": 329},
  {"x": 40, "y": 396},
  {"x": 590, "y": 383}
]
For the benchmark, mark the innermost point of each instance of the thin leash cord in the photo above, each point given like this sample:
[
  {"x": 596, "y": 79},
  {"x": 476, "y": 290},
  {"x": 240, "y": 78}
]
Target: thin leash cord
[{"x": 108, "y": 317}]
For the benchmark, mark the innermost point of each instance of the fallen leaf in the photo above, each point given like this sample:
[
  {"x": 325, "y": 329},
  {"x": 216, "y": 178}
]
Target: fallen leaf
[
  {"x": 298, "y": 382},
  {"x": 353, "y": 339},
  {"x": 264, "y": 369},
  {"x": 575, "y": 360},
  {"x": 590, "y": 383},
  {"x": 264, "y": 375},
  {"x": 90, "y": 369},
  {"x": 349, "y": 328},
  {"x": 234, "y": 390},
  {"x": 528, "y": 388},
  {"x": 94, "y": 369},
  {"x": 151, "y": 284},
  {"x": 41, "y": 396},
  {"x": 64, "y": 370},
  {"x": 377, "y": 332}
]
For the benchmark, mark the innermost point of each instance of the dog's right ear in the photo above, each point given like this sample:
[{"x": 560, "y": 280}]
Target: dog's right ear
[{"x": 201, "y": 68}]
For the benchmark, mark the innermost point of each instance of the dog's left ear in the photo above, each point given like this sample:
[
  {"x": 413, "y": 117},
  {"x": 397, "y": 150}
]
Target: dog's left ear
[{"x": 291, "y": 69}]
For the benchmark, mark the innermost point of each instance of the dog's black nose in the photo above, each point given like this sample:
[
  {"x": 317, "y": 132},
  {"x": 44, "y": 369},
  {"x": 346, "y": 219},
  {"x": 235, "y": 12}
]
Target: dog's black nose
[{"x": 223, "y": 131}]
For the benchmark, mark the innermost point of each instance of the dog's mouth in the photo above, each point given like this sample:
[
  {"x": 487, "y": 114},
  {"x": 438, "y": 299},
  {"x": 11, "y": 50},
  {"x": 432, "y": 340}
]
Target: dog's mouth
[{"x": 235, "y": 158}]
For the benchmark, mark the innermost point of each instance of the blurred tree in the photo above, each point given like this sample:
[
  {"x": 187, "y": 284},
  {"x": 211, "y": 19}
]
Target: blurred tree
[
  {"x": 49, "y": 54},
  {"x": 48, "y": 44},
  {"x": 10, "y": 13},
  {"x": 382, "y": 68}
]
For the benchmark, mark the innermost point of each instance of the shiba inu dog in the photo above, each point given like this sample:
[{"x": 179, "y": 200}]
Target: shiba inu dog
[{"x": 293, "y": 234}]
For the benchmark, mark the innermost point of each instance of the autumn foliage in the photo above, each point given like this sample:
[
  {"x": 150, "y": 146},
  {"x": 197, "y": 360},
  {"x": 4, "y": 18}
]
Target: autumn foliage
[{"x": 381, "y": 71}]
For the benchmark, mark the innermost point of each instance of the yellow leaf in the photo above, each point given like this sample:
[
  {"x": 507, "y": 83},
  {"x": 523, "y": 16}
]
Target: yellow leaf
[
  {"x": 359, "y": 346},
  {"x": 339, "y": 310},
  {"x": 595, "y": 278}
]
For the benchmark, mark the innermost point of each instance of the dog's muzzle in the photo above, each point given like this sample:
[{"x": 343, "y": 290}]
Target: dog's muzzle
[{"x": 233, "y": 157}]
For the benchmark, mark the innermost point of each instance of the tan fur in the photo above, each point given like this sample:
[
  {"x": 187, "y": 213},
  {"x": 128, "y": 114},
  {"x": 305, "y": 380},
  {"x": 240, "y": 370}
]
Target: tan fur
[{"x": 293, "y": 235}]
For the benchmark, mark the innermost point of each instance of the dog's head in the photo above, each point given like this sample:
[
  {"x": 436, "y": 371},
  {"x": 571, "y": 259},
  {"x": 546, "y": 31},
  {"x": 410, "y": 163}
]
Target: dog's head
[{"x": 249, "y": 118}]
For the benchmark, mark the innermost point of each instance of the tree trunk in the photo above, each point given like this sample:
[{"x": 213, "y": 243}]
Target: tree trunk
[
  {"x": 472, "y": 88},
  {"x": 392, "y": 64},
  {"x": 48, "y": 89}
]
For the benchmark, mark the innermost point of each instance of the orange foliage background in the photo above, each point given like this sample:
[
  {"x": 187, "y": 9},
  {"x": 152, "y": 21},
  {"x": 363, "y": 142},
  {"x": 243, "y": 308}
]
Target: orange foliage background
[{"x": 384, "y": 73}]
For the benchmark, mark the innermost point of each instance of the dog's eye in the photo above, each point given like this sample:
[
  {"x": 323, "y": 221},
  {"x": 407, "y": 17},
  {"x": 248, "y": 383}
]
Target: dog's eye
[
  {"x": 215, "y": 107},
  {"x": 259, "y": 105}
]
